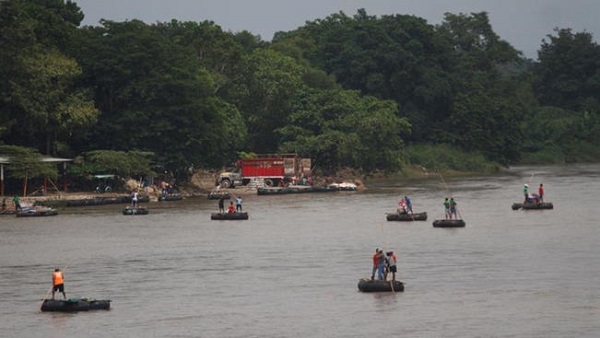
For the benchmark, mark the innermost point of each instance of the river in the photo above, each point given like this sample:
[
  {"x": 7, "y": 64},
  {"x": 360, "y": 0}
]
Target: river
[{"x": 292, "y": 269}]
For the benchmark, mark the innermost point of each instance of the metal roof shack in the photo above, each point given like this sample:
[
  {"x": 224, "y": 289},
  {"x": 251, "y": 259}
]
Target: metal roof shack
[{"x": 6, "y": 161}]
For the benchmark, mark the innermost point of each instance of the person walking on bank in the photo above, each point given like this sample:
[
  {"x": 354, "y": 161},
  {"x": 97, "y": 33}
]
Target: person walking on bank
[
  {"x": 58, "y": 283},
  {"x": 541, "y": 193},
  {"x": 17, "y": 203}
]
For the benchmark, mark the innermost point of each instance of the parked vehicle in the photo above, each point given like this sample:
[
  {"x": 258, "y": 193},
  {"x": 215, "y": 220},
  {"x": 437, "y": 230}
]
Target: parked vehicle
[{"x": 272, "y": 169}]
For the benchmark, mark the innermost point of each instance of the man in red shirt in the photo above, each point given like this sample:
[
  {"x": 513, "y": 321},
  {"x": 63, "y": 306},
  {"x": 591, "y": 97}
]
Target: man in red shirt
[
  {"x": 541, "y": 193},
  {"x": 375, "y": 263}
]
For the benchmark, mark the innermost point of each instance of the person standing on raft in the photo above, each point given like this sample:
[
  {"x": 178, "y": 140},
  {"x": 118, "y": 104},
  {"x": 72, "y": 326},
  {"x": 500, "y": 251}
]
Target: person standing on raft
[
  {"x": 408, "y": 203},
  {"x": 222, "y": 205},
  {"x": 391, "y": 262},
  {"x": 526, "y": 192},
  {"x": 452, "y": 208},
  {"x": 541, "y": 193},
  {"x": 58, "y": 283},
  {"x": 381, "y": 265},
  {"x": 375, "y": 263},
  {"x": 134, "y": 199},
  {"x": 401, "y": 206},
  {"x": 447, "y": 208},
  {"x": 238, "y": 204}
]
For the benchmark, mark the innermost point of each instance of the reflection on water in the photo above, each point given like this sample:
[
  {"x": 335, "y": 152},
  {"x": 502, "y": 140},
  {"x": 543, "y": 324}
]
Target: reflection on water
[{"x": 291, "y": 270}]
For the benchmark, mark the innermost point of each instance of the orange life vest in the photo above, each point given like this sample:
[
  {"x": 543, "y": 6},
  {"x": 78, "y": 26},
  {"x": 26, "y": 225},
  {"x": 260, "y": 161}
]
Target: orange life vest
[{"x": 57, "y": 278}]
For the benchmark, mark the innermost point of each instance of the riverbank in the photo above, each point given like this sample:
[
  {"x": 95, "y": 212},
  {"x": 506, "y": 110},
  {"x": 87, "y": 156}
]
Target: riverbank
[{"x": 202, "y": 183}]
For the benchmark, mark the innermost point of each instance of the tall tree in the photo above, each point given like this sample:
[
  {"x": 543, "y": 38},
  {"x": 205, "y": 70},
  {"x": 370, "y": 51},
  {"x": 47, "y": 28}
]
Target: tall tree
[
  {"x": 155, "y": 96},
  {"x": 42, "y": 106},
  {"x": 343, "y": 129},
  {"x": 271, "y": 83},
  {"x": 568, "y": 72},
  {"x": 487, "y": 105}
]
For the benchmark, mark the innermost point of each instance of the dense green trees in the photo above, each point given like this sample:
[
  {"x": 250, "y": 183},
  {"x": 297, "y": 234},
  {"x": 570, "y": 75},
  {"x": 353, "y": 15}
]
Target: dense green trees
[
  {"x": 41, "y": 105},
  {"x": 344, "y": 90}
]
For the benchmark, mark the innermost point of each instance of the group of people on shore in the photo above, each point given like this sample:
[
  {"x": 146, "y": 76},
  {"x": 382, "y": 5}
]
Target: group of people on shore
[
  {"x": 383, "y": 265},
  {"x": 231, "y": 209},
  {"x": 533, "y": 198}
]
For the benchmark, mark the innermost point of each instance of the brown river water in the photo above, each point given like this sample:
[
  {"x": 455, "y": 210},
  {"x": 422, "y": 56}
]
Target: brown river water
[{"x": 292, "y": 269}]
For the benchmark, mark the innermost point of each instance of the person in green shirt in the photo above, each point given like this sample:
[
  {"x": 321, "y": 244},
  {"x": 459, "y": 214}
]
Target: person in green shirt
[
  {"x": 452, "y": 208},
  {"x": 526, "y": 192},
  {"x": 447, "y": 208},
  {"x": 17, "y": 203}
]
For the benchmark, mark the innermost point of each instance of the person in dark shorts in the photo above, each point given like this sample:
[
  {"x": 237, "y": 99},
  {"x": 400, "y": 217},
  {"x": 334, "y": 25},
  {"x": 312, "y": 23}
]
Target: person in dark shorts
[
  {"x": 391, "y": 263},
  {"x": 58, "y": 283},
  {"x": 222, "y": 205}
]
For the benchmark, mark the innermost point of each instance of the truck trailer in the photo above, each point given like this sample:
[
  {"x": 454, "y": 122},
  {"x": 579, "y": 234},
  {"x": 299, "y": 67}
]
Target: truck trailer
[{"x": 270, "y": 169}]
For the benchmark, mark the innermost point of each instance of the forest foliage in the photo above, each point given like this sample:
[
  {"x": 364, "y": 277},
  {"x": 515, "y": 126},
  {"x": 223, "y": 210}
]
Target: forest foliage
[{"x": 361, "y": 91}]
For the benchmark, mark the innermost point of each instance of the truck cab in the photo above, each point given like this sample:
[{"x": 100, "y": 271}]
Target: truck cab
[{"x": 229, "y": 179}]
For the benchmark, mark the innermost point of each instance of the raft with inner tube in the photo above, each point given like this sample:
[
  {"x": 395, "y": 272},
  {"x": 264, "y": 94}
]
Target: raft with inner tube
[
  {"x": 229, "y": 216},
  {"x": 295, "y": 189},
  {"x": 39, "y": 212},
  {"x": 368, "y": 285},
  {"x": 92, "y": 201},
  {"x": 422, "y": 216},
  {"x": 219, "y": 195},
  {"x": 135, "y": 211},
  {"x": 532, "y": 206},
  {"x": 449, "y": 223},
  {"x": 175, "y": 197},
  {"x": 74, "y": 305}
]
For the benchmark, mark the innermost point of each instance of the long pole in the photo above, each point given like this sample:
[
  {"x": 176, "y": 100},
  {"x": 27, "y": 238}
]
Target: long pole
[{"x": 531, "y": 178}]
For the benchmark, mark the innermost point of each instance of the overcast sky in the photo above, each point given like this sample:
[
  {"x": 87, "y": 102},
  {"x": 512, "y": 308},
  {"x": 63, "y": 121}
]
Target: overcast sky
[{"x": 523, "y": 23}]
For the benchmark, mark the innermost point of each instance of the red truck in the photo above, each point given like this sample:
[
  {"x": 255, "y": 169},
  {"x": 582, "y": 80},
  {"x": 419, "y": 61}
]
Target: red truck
[{"x": 272, "y": 169}]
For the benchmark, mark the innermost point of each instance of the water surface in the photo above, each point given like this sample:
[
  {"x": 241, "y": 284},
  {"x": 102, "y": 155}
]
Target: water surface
[{"x": 291, "y": 270}]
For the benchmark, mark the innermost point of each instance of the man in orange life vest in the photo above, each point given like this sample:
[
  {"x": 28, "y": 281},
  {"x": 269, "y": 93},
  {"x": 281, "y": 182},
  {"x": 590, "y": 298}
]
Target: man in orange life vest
[{"x": 58, "y": 283}]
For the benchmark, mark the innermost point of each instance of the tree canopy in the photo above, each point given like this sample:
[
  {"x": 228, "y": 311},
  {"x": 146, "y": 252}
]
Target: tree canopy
[{"x": 347, "y": 91}]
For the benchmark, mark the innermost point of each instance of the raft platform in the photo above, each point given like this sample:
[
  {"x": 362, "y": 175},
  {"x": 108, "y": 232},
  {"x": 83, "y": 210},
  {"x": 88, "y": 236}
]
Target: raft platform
[
  {"x": 422, "y": 216},
  {"x": 74, "y": 305},
  {"x": 37, "y": 212},
  {"x": 296, "y": 189},
  {"x": 219, "y": 196},
  {"x": 369, "y": 285},
  {"x": 449, "y": 223},
  {"x": 135, "y": 211},
  {"x": 174, "y": 197},
  {"x": 532, "y": 206},
  {"x": 235, "y": 216},
  {"x": 92, "y": 201}
]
